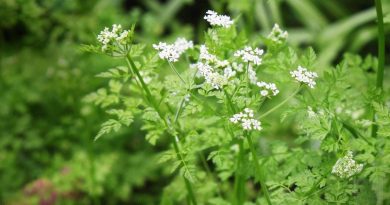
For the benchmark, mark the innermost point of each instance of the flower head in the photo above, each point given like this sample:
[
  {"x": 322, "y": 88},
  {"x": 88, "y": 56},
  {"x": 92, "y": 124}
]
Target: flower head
[
  {"x": 248, "y": 54},
  {"x": 304, "y": 76},
  {"x": 246, "y": 120},
  {"x": 215, "y": 71},
  {"x": 218, "y": 20},
  {"x": 212, "y": 77},
  {"x": 267, "y": 89},
  {"x": 172, "y": 52},
  {"x": 346, "y": 167},
  {"x": 117, "y": 34},
  {"x": 277, "y": 35}
]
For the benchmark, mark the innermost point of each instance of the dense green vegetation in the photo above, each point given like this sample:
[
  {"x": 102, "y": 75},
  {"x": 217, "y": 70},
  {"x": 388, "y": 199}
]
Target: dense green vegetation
[{"x": 53, "y": 106}]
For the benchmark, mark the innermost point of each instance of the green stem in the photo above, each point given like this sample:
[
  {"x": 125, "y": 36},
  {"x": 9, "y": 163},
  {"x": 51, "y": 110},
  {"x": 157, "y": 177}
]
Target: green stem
[
  {"x": 381, "y": 45},
  {"x": 177, "y": 73},
  {"x": 281, "y": 104},
  {"x": 381, "y": 58},
  {"x": 148, "y": 94},
  {"x": 239, "y": 181},
  {"x": 152, "y": 101},
  {"x": 258, "y": 168},
  {"x": 186, "y": 181},
  {"x": 230, "y": 102},
  {"x": 178, "y": 111}
]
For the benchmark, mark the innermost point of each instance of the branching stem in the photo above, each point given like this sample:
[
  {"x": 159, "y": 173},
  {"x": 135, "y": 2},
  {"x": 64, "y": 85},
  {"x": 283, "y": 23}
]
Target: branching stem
[{"x": 153, "y": 103}]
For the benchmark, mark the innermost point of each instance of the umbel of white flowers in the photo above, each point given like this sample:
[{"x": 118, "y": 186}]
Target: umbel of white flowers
[
  {"x": 107, "y": 37},
  {"x": 248, "y": 54},
  {"x": 172, "y": 52},
  {"x": 277, "y": 34},
  {"x": 267, "y": 89},
  {"x": 218, "y": 20},
  {"x": 206, "y": 68},
  {"x": 304, "y": 76},
  {"x": 346, "y": 167},
  {"x": 246, "y": 120}
]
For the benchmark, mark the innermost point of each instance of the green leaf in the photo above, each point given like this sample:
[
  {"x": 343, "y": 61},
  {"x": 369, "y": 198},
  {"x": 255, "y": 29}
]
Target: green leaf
[{"x": 109, "y": 126}]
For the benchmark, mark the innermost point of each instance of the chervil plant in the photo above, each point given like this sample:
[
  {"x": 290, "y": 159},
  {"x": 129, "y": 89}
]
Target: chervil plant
[{"x": 218, "y": 101}]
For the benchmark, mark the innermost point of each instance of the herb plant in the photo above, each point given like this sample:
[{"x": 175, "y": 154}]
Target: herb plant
[{"x": 217, "y": 102}]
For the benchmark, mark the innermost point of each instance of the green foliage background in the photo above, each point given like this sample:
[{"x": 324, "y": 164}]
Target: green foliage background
[{"x": 46, "y": 125}]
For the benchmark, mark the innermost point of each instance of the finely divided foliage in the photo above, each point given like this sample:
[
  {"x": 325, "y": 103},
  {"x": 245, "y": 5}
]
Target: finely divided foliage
[{"x": 211, "y": 103}]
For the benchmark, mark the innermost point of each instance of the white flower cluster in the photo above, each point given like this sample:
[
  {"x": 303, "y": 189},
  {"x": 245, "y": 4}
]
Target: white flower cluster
[
  {"x": 215, "y": 79},
  {"x": 246, "y": 119},
  {"x": 248, "y": 54},
  {"x": 304, "y": 76},
  {"x": 107, "y": 37},
  {"x": 207, "y": 63},
  {"x": 218, "y": 20},
  {"x": 267, "y": 89},
  {"x": 172, "y": 52},
  {"x": 346, "y": 167},
  {"x": 277, "y": 35}
]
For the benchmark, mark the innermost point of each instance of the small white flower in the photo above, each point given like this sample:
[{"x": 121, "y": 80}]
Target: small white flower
[
  {"x": 216, "y": 80},
  {"x": 246, "y": 124},
  {"x": 277, "y": 35},
  {"x": 264, "y": 93},
  {"x": 172, "y": 52},
  {"x": 187, "y": 97},
  {"x": 216, "y": 72},
  {"x": 218, "y": 20},
  {"x": 182, "y": 44},
  {"x": 246, "y": 120},
  {"x": 267, "y": 88},
  {"x": 249, "y": 112},
  {"x": 304, "y": 76},
  {"x": 256, "y": 124},
  {"x": 107, "y": 37},
  {"x": 346, "y": 167},
  {"x": 248, "y": 54},
  {"x": 122, "y": 36},
  {"x": 236, "y": 118},
  {"x": 228, "y": 72}
]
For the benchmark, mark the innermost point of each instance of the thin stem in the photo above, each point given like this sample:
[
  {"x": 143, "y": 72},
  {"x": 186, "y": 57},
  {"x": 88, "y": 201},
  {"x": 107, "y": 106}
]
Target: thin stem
[
  {"x": 239, "y": 184},
  {"x": 258, "y": 169},
  {"x": 177, "y": 73},
  {"x": 178, "y": 111},
  {"x": 148, "y": 94},
  {"x": 204, "y": 103},
  {"x": 187, "y": 182},
  {"x": 152, "y": 101},
  {"x": 239, "y": 181},
  {"x": 230, "y": 102},
  {"x": 282, "y": 103},
  {"x": 381, "y": 58}
]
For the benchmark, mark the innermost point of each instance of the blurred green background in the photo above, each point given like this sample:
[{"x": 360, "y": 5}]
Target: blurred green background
[{"x": 47, "y": 153}]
